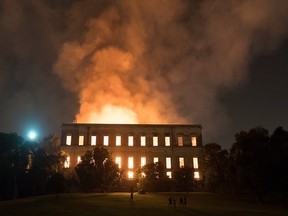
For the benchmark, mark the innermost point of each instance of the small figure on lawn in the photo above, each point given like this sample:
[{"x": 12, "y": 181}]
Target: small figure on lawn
[
  {"x": 170, "y": 202},
  {"x": 174, "y": 202},
  {"x": 180, "y": 202},
  {"x": 131, "y": 198},
  {"x": 184, "y": 201}
]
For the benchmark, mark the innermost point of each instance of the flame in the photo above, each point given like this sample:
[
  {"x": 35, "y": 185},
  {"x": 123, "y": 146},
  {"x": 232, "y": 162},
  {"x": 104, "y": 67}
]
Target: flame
[
  {"x": 113, "y": 81},
  {"x": 129, "y": 62},
  {"x": 109, "y": 114}
]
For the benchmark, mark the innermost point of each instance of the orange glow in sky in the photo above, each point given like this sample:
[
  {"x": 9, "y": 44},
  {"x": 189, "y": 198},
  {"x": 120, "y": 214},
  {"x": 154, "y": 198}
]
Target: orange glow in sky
[{"x": 109, "y": 114}]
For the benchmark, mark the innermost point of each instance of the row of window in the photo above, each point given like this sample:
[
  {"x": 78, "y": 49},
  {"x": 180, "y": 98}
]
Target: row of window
[
  {"x": 118, "y": 161},
  {"x": 130, "y": 174},
  {"x": 130, "y": 140}
]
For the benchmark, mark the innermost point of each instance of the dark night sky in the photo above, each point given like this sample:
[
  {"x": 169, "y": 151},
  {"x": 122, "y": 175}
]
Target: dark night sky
[
  {"x": 223, "y": 65},
  {"x": 263, "y": 99}
]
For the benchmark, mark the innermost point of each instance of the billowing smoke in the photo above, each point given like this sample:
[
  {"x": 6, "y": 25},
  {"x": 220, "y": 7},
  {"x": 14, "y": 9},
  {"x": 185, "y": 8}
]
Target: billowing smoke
[
  {"x": 164, "y": 61},
  {"x": 152, "y": 61}
]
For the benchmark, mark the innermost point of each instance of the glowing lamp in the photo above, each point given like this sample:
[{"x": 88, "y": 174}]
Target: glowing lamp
[{"x": 32, "y": 135}]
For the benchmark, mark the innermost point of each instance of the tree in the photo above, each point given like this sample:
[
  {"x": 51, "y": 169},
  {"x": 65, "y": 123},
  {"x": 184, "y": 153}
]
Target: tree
[
  {"x": 14, "y": 160},
  {"x": 43, "y": 167},
  {"x": 183, "y": 178},
  {"x": 279, "y": 162},
  {"x": 97, "y": 171},
  {"x": 250, "y": 155},
  {"x": 151, "y": 177},
  {"x": 215, "y": 167},
  {"x": 56, "y": 184},
  {"x": 26, "y": 166},
  {"x": 46, "y": 161},
  {"x": 51, "y": 144}
]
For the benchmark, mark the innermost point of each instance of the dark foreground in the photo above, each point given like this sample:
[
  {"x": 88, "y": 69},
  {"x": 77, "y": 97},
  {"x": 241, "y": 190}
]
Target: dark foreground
[{"x": 118, "y": 204}]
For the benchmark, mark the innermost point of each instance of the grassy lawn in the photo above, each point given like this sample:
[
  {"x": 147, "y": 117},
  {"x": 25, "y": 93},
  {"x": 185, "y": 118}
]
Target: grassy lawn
[{"x": 144, "y": 204}]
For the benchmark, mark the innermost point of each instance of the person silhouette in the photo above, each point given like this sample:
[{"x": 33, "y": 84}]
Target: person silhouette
[
  {"x": 131, "y": 198},
  {"x": 184, "y": 201},
  {"x": 180, "y": 202},
  {"x": 170, "y": 202},
  {"x": 174, "y": 202}
]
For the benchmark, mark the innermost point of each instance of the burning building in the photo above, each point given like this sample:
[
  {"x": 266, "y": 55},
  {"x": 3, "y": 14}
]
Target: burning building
[{"x": 134, "y": 145}]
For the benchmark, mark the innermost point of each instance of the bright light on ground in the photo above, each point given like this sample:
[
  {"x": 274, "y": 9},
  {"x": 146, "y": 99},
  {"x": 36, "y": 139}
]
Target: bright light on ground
[{"x": 32, "y": 135}]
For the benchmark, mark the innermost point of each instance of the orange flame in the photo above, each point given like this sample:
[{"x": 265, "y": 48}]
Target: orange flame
[{"x": 109, "y": 114}]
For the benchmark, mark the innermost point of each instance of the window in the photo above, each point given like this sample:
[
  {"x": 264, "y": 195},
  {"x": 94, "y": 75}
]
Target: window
[
  {"x": 155, "y": 160},
  {"x": 194, "y": 141},
  {"x": 169, "y": 174},
  {"x": 180, "y": 141},
  {"x": 78, "y": 159},
  {"x": 167, "y": 141},
  {"x": 118, "y": 162},
  {"x": 168, "y": 162},
  {"x": 181, "y": 162},
  {"x": 68, "y": 139},
  {"x": 105, "y": 161},
  {"x": 143, "y": 161},
  {"x": 130, "y": 175},
  {"x": 81, "y": 140},
  {"x": 130, "y": 163},
  {"x": 93, "y": 140},
  {"x": 196, "y": 175},
  {"x": 118, "y": 140},
  {"x": 195, "y": 162},
  {"x": 67, "y": 162},
  {"x": 29, "y": 165},
  {"x": 155, "y": 141},
  {"x": 106, "y": 141},
  {"x": 143, "y": 141},
  {"x": 130, "y": 140}
]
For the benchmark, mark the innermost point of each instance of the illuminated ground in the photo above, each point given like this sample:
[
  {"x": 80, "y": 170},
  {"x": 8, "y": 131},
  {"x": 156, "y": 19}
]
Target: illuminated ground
[{"x": 145, "y": 204}]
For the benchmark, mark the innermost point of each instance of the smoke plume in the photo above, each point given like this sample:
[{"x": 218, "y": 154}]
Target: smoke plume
[
  {"x": 152, "y": 61},
  {"x": 164, "y": 61}
]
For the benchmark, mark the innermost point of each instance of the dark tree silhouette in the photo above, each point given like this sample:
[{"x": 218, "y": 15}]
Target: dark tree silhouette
[
  {"x": 97, "y": 171},
  {"x": 152, "y": 177},
  {"x": 250, "y": 155},
  {"x": 14, "y": 159},
  {"x": 56, "y": 184},
  {"x": 183, "y": 179},
  {"x": 43, "y": 167},
  {"x": 26, "y": 166},
  {"x": 279, "y": 163},
  {"x": 214, "y": 167}
]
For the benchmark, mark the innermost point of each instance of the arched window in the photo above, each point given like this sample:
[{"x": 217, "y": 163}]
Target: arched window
[
  {"x": 194, "y": 140},
  {"x": 155, "y": 140},
  {"x": 167, "y": 141},
  {"x": 67, "y": 162},
  {"x": 143, "y": 140},
  {"x": 118, "y": 140},
  {"x": 93, "y": 140},
  {"x": 68, "y": 139},
  {"x": 130, "y": 140},
  {"x": 81, "y": 140}
]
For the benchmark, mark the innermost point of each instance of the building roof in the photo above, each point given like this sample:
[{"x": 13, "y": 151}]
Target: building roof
[{"x": 129, "y": 125}]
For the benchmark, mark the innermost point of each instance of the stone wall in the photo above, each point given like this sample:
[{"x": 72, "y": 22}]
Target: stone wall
[{"x": 186, "y": 149}]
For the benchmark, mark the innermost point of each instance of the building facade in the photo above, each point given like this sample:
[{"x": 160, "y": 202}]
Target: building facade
[{"x": 134, "y": 145}]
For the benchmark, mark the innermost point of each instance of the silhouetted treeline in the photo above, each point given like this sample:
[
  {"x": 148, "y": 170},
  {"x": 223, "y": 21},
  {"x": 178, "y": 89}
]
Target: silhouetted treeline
[
  {"x": 256, "y": 162},
  {"x": 153, "y": 178},
  {"x": 97, "y": 172},
  {"x": 28, "y": 168}
]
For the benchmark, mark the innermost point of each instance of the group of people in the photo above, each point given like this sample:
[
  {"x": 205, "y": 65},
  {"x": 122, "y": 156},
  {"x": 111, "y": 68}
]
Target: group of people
[{"x": 172, "y": 202}]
